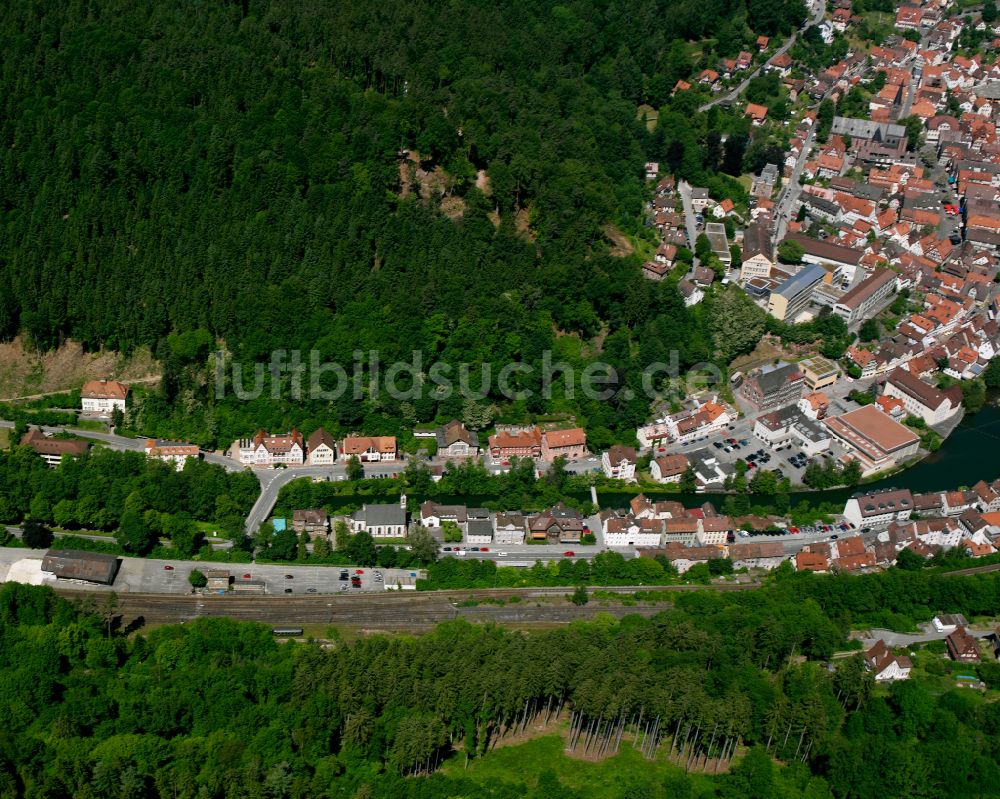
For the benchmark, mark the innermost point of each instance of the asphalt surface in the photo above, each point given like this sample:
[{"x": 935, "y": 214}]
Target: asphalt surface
[
  {"x": 908, "y": 639},
  {"x": 690, "y": 223},
  {"x": 792, "y": 189}
]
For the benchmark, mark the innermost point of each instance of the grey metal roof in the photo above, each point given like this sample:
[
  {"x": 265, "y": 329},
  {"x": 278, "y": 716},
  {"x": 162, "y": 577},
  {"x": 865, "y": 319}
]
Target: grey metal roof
[
  {"x": 773, "y": 378},
  {"x": 802, "y": 280},
  {"x": 865, "y": 128},
  {"x": 480, "y": 527},
  {"x": 381, "y": 514}
]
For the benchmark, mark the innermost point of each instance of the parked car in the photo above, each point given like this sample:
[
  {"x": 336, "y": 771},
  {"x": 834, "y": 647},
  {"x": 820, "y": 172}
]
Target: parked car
[
  {"x": 484, "y": 549},
  {"x": 343, "y": 587},
  {"x": 344, "y": 575},
  {"x": 359, "y": 571},
  {"x": 569, "y": 554},
  {"x": 168, "y": 568},
  {"x": 288, "y": 590},
  {"x": 289, "y": 576},
  {"x": 246, "y": 576},
  {"x": 310, "y": 590}
]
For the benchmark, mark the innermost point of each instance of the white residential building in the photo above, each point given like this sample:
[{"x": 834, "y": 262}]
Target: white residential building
[
  {"x": 270, "y": 450},
  {"x": 920, "y": 399},
  {"x": 175, "y": 452},
  {"x": 103, "y": 396},
  {"x": 879, "y": 508},
  {"x": 618, "y": 463},
  {"x": 321, "y": 449}
]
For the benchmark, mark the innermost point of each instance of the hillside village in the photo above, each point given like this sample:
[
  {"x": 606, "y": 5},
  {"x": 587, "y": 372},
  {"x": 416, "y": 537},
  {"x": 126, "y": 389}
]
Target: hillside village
[{"x": 884, "y": 215}]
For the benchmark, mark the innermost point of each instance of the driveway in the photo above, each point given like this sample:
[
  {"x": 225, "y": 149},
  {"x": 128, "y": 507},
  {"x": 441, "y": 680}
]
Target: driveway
[{"x": 907, "y": 639}]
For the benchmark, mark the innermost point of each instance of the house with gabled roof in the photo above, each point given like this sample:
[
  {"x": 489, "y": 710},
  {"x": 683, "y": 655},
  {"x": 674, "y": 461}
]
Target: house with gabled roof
[
  {"x": 962, "y": 647},
  {"x": 455, "y": 440},
  {"x": 879, "y": 508},
  {"x": 266, "y": 449},
  {"x": 103, "y": 396},
  {"x": 321, "y": 449},
  {"x": 570, "y": 444},
  {"x": 884, "y": 665},
  {"x": 370, "y": 449}
]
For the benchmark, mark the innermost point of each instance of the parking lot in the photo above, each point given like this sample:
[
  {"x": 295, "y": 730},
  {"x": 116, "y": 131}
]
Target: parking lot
[
  {"x": 153, "y": 576},
  {"x": 737, "y": 442}
]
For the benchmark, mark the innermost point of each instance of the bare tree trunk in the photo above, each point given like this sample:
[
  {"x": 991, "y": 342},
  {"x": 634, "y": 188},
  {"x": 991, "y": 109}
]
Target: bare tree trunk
[
  {"x": 653, "y": 738},
  {"x": 805, "y": 754},
  {"x": 803, "y": 735}
]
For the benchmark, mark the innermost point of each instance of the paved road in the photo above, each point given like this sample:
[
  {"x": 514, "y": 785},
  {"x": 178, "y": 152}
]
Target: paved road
[
  {"x": 907, "y": 639},
  {"x": 790, "y": 194},
  {"x": 684, "y": 189},
  {"x": 273, "y": 480},
  {"x": 818, "y": 10}
]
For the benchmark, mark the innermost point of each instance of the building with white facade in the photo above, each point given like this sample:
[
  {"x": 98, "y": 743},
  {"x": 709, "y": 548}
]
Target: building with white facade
[
  {"x": 921, "y": 399},
  {"x": 879, "y": 508},
  {"x": 175, "y": 452},
  {"x": 618, "y": 463},
  {"x": 381, "y": 521},
  {"x": 270, "y": 450},
  {"x": 321, "y": 449},
  {"x": 103, "y": 396}
]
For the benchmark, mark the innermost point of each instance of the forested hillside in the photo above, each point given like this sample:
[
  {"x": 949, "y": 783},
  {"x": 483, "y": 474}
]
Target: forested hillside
[
  {"x": 235, "y": 168},
  {"x": 215, "y": 708}
]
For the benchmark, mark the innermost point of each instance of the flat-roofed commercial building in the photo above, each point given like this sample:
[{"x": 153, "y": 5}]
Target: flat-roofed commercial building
[
  {"x": 716, "y": 233},
  {"x": 876, "y": 440},
  {"x": 866, "y": 299},
  {"x": 819, "y": 373},
  {"x": 792, "y": 297},
  {"x": 72, "y": 564}
]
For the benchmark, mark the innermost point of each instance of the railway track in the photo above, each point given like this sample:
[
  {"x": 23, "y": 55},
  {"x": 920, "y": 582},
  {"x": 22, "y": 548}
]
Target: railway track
[{"x": 395, "y": 611}]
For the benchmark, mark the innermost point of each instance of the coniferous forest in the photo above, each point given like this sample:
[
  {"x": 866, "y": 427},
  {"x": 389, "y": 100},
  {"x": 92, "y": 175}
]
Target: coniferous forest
[
  {"x": 729, "y": 693},
  {"x": 188, "y": 175}
]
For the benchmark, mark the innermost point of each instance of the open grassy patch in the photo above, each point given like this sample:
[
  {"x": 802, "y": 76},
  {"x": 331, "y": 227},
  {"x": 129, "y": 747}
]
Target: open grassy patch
[{"x": 527, "y": 763}]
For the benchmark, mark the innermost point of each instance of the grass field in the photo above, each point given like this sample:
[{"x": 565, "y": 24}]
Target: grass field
[
  {"x": 616, "y": 776},
  {"x": 91, "y": 425},
  {"x": 4, "y": 437}
]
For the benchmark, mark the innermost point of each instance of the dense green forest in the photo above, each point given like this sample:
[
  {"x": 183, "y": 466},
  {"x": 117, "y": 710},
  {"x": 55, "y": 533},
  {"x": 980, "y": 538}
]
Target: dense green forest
[
  {"x": 230, "y": 172},
  {"x": 127, "y": 492},
  {"x": 216, "y": 708}
]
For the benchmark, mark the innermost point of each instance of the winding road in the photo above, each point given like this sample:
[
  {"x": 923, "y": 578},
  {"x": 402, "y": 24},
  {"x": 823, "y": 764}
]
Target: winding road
[{"x": 818, "y": 10}]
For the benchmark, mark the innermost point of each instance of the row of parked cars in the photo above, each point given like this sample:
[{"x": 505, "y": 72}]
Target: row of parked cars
[{"x": 834, "y": 529}]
